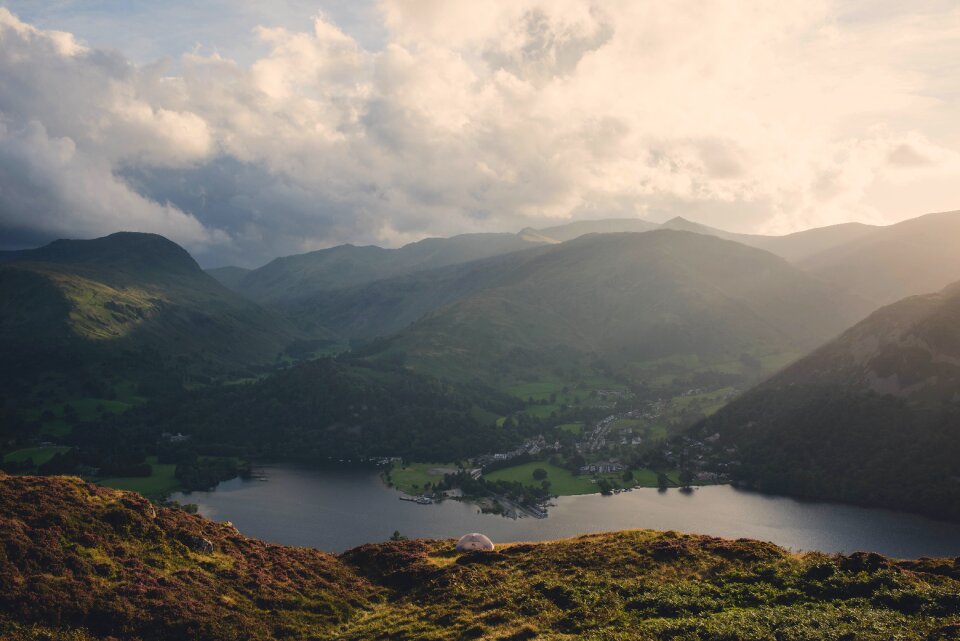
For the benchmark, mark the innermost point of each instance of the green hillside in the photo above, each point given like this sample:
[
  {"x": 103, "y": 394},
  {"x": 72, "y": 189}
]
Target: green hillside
[
  {"x": 89, "y": 318},
  {"x": 872, "y": 417},
  {"x": 318, "y": 410},
  {"x": 85, "y": 563},
  {"x": 389, "y": 305},
  {"x": 641, "y": 304},
  {"x": 139, "y": 288}
]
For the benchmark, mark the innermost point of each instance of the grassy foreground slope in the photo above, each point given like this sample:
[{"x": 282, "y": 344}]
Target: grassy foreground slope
[
  {"x": 109, "y": 564},
  {"x": 81, "y": 562}
]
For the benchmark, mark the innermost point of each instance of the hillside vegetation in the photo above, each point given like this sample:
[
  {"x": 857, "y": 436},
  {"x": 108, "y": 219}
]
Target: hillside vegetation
[
  {"x": 629, "y": 302},
  {"x": 872, "y": 417},
  {"x": 135, "y": 290},
  {"x": 80, "y": 318},
  {"x": 83, "y": 563},
  {"x": 320, "y": 410}
]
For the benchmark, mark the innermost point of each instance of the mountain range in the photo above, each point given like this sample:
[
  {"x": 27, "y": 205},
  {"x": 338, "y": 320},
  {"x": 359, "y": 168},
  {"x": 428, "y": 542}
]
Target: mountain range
[
  {"x": 303, "y": 275},
  {"x": 630, "y": 299},
  {"x": 875, "y": 264},
  {"x": 300, "y": 276},
  {"x": 648, "y": 307}
]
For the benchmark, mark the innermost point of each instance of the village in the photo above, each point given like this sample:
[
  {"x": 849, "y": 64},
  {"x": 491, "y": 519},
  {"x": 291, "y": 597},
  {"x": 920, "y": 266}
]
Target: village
[{"x": 609, "y": 455}]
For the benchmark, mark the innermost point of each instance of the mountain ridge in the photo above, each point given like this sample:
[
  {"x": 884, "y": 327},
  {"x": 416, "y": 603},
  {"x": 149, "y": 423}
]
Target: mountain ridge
[
  {"x": 125, "y": 307},
  {"x": 884, "y": 395},
  {"x": 632, "y": 293}
]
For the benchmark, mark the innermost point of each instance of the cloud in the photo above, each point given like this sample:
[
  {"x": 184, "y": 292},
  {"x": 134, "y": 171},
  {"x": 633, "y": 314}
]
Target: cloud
[
  {"x": 469, "y": 117},
  {"x": 50, "y": 186}
]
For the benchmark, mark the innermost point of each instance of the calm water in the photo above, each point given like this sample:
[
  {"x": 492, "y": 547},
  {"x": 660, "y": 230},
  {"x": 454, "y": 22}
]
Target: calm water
[{"x": 335, "y": 510}]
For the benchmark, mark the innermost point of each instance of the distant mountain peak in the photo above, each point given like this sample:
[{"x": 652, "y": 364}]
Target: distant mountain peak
[
  {"x": 123, "y": 251},
  {"x": 684, "y": 224}
]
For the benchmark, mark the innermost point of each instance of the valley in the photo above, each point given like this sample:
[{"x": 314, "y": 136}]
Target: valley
[
  {"x": 604, "y": 355},
  {"x": 603, "y": 383},
  {"x": 521, "y": 320}
]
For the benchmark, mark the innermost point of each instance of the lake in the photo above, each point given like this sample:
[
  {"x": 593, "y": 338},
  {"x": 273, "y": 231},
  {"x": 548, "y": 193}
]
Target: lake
[{"x": 337, "y": 509}]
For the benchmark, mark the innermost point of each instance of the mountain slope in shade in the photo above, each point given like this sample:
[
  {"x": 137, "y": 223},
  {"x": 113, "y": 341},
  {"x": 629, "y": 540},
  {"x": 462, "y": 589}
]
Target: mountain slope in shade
[
  {"x": 126, "y": 297},
  {"x": 230, "y": 276},
  {"x": 389, "y": 305},
  {"x": 630, "y": 298},
  {"x": 303, "y": 275},
  {"x": 872, "y": 417},
  {"x": 916, "y": 256},
  {"x": 85, "y": 563}
]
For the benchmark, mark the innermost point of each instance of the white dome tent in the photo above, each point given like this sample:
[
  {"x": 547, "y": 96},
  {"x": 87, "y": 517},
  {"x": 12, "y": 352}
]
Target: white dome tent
[{"x": 474, "y": 541}]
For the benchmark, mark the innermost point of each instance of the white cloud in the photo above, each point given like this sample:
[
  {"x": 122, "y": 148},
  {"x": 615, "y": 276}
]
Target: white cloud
[
  {"x": 50, "y": 185},
  {"x": 483, "y": 116}
]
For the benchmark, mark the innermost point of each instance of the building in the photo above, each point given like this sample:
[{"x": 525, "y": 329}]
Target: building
[{"x": 601, "y": 467}]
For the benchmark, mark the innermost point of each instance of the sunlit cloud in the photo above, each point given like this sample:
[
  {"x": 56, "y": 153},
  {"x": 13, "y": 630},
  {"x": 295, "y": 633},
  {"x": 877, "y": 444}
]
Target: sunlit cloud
[{"x": 476, "y": 117}]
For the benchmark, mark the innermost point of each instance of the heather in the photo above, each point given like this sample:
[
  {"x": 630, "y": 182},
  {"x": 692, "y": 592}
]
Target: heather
[{"x": 81, "y": 562}]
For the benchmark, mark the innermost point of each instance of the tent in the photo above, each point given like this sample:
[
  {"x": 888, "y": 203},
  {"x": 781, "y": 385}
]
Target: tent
[{"x": 474, "y": 541}]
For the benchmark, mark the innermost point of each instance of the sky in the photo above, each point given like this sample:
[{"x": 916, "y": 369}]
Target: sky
[{"x": 246, "y": 130}]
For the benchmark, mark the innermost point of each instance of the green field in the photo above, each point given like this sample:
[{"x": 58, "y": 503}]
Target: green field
[
  {"x": 87, "y": 409},
  {"x": 565, "y": 483},
  {"x": 157, "y": 485},
  {"x": 413, "y": 478},
  {"x": 578, "y": 393},
  {"x": 39, "y": 455},
  {"x": 573, "y": 428},
  {"x": 562, "y": 482},
  {"x": 541, "y": 411},
  {"x": 656, "y": 432},
  {"x": 627, "y": 424}
]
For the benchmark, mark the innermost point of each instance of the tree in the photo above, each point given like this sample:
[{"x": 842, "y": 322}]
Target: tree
[
  {"x": 575, "y": 462},
  {"x": 686, "y": 477},
  {"x": 605, "y": 487},
  {"x": 663, "y": 481},
  {"x": 539, "y": 474},
  {"x": 628, "y": 475},
  {"x": 396, "y": 536}
]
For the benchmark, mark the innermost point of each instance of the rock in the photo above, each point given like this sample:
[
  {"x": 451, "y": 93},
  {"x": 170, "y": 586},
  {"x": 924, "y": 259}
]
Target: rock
[{"x": 200, "y": 544}]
